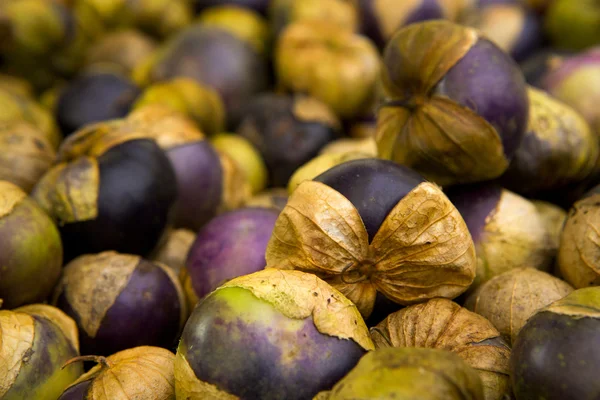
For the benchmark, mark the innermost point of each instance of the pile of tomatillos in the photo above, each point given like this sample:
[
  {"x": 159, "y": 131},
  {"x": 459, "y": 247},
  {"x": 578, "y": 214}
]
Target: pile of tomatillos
[{"x": 299, "y": 199}]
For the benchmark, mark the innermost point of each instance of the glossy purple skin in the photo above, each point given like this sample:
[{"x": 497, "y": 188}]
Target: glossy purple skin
[
  {"x": 489, "y": 82},
  {"x": 77, "y": 392},
  {"x": 231, "y": 245},
  {"x": 243, "y": 356},
  {"x": 370, "y": 24},
  {"x": 199, "y": 183},
  {"x": 553, "y": 358},
  {"x": 475, "y": 203},
  {"x": 146, "y": 313},
  {"x": 373, "y": 186},
  {"x": 218, "y": 59},
  {"x": 94, "y": 98}
]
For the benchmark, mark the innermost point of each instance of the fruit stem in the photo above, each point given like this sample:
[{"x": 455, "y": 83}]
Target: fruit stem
[{"x": 97, "y": 359}]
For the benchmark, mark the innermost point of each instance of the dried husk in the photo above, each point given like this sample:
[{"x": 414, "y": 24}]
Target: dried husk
[
  {"x": 422, "y": 250},
  {"x": 25, "y": 154},
  {"x": 143, "y": 373},
  {"x": 69, "y": 191},
  {"x": 507, "y": 242},
  {"x": 351, "y": 145},
  {"x": 15, "y": 107},
  {"x": 554, "y": 217},
  {"x": 236, "y": 187},
  {"x": 32, "y": 352},
  {"x": 10, "y": 197},
  {"x": 191, "y": 297},
  {"x": 330, "y": 63},
  {"x": 296, "y": 295},
  {"x": 443, "y": 324},
  {"x": 579, "y": 250},
  {"x": 408, "y": 373},
  {"x": 446, "y": 142},
  {"x": 185, "y": 95},
  {"x": 581, "y": 303},
  {"x": 559, "y": 148},
  {"x": 174, "y": 248},
  {"x": 92, "y": 283},
  {"x": 66, "y": 324},
  {"x": 275, "y": 198},
  {"x": 320, "y": 164},
  {"x": 510, "y": 299}
]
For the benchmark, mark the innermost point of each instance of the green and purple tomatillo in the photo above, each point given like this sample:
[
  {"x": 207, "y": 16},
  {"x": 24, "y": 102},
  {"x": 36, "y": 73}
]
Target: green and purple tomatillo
[
  {"x": 30, "y": 248},
  {"x": 35, "y": 343},
  {"x": 552, "y": 357},
  {"x": 270, "y": 335},
  {"x": 576, "y": 81},
  {"x": 456, "y": 113},
  {"x": 121, "y": 301}
]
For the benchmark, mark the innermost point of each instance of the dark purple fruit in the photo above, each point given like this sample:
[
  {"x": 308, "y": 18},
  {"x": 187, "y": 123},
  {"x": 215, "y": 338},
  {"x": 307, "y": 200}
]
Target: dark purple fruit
[
  {"x": 114, "y": 196},
  {"x": 373, "y": 186},
  {"x": 230, "y": 245},
  {"x": 94, "y": 97},
  {"x": 121, "y": 301},
  {"x": 552, "y": 357},
  {"x": 288, "y": 131}
]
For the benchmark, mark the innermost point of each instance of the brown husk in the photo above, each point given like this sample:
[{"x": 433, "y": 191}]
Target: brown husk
[
  {"x": 445, "y": 142},
  {"x": 143, "y": 372},
  {"x": 174, "y": 248},
  {"x": 443, "y": 324},
  {"x": 10, "y": 196},
  {"x": 579, "y": 250},
  {"x": 510, "y": 299},
  {"x": 422, "y": 250}
]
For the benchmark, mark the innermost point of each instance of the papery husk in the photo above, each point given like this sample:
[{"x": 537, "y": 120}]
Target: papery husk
[
  {"x": 144, "y": 372},
  {"x": 66, "y": 324},
  {"x": 275, "y": 198},
  {"x": 18, "y": 108},
  {"x": 443, "y": 324},
  {"x": 581, "y": 303},
  {"x": 69, "y": 191},
  {"x": 510, "y": 299},
  {"x": 320, "y": 164},
  {"x": 92, "y": 283},
  {"x": 96, "y": 139},
  {"x": 236, "y": 187},
  {"x": 351, "y": 145},
  {"x": 174, "y": 248},
  {"x": 25, "y": 154},
  {"x": 409, "y": 373},
  {"x": 10, "y": 197},
  {"x": 300, "y": 295},
  {"x": 198, "y": 102},
  {"x": 579, "y": 250},
  {"x": 188, "y": 289},
  {"x": 422, "y": 250},
  {"x": 559, "y": 148},
  {"x": 444, "y": 141},
  {"x": 14, "y": 343},
  {"x": 507, "y": 242},
  {"x": 329, "y": 63},
  {"x": 167, "y": 127},
  {"x": 554, "y": 218}
]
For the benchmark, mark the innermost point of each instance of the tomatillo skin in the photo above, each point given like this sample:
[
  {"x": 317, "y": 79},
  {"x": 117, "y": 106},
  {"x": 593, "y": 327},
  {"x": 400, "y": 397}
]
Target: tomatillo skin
[
  {"x": 244, "y": 341},
  {"x": 456, "y": 117},
  {"x": 552, "y": 357}
]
